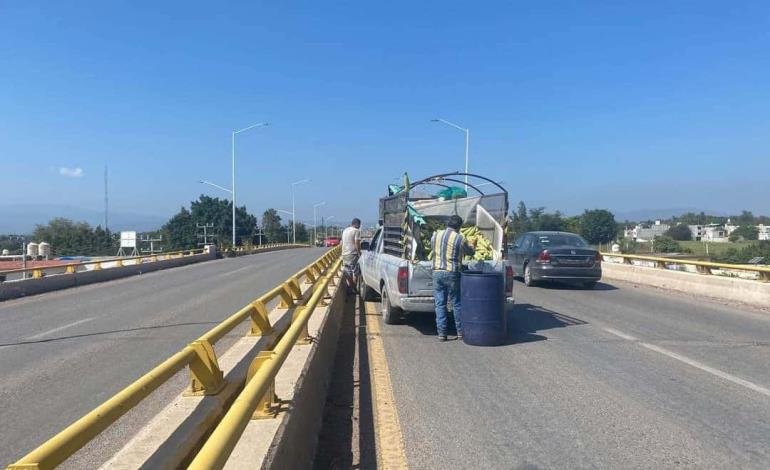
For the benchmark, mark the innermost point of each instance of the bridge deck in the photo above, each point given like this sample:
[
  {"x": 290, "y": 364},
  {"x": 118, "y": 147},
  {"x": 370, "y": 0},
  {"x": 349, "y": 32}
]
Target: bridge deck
[{"x": 618, "y": 377}]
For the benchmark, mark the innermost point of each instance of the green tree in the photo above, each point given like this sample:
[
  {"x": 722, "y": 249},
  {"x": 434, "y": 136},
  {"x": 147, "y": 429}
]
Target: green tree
[
  {"x": 68, "y": 238},
  {"x": 679, "y": 232},
  {"x": 272, "y": 228},
  {"x": 745, "y": 232},
  {"x": 302, "y": 233},
  {"x": 519, "y": 220},
  {"x": 571, "y": 224},
  {"x": 598, "y": 226},
  {"x": 666, "y": 244},
  {"x": 180, "y": 232}
]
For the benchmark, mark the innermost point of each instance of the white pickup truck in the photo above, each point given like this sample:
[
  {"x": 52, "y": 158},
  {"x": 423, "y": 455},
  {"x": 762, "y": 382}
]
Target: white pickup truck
[{"x": 395, "y": 263}]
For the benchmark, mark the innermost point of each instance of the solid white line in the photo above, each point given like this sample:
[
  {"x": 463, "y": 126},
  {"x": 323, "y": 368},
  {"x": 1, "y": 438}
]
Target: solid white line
[
  {"x": 69, "y": 325},
  {"x": 692, "y": 362}
]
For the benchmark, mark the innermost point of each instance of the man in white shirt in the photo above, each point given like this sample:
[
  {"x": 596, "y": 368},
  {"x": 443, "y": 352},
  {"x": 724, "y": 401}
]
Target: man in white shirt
[{"x": 351, "y": 251}]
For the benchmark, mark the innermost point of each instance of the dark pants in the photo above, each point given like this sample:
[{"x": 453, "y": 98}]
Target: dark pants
[{"x": 446, "y": 287}]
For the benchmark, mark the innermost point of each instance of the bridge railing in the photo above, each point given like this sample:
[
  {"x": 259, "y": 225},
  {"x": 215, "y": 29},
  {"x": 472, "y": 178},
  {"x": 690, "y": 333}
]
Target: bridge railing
[
  {"x": 257, "y": 397},
  {"x": 71, "y": 268},
  {"x": 702, "y": 267},
  {"x": 206, "y": 376}
]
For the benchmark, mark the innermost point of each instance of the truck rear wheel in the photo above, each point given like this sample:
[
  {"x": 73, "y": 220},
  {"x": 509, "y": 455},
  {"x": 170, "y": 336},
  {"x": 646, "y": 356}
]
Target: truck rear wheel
[{"x": 390, "y": 315}]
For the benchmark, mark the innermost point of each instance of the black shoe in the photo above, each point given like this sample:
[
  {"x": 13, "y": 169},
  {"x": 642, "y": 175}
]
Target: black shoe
[{"x": 442, "y": 338}]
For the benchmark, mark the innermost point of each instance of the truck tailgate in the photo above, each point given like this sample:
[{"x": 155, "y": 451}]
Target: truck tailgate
[{"x": 421, "y": 281}]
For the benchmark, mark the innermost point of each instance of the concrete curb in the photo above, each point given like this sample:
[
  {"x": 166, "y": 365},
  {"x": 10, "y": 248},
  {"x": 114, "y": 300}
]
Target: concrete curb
[
  {"x": 290, "y": 439},
  {"x": 750, "y": 292},
  {"x": 295, "y": 442}
]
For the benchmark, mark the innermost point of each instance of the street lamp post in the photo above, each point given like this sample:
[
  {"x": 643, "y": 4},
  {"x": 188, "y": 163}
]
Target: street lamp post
[
  {"x": 326, "y": 227},
  {"x": 467, "y": 138},
  {"x": 293, "y": 213},
  {"x": 261, "y": 124},
  {"x": 315, "y": 221}
]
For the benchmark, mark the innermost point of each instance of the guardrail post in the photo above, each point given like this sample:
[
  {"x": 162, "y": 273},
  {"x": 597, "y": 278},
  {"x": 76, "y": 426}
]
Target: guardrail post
[
  {"x": 660, "y": 264},
  {"x": 37, "y": 274},
  {"x": 207, "y": 377},
  {"x": 286, "y": 297},
  {"x": 304, "y": 336},
  {"x": 296, "y": 290},
  {"x": 267, "y": 407},
  {"x": 260, "y": 322},
  {"x": 98, "y": 266},
  {"x": 764, "y": 276},
  {"x": 70, "y": 269},
  {"x": 119, "y": 263},
  {"x": 310, "y": 276},
  {"x": 627, "y": 260},
  {"x": 703, "y": 269}
]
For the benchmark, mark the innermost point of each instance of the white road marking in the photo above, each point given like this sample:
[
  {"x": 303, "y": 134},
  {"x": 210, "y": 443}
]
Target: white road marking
[
  {"x": 64, "y": 327},
  {"x": 693, "y": 363},
  {"x": 620, "y": 334}
]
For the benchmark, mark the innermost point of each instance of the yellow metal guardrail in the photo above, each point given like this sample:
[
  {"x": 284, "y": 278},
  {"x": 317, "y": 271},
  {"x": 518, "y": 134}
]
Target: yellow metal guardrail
[
  {"x": 703, "y": 267},
  {"x": 71, "y": 268},
  {"x": 206, "y": 376},
  {"x": 256, "y": 399}
]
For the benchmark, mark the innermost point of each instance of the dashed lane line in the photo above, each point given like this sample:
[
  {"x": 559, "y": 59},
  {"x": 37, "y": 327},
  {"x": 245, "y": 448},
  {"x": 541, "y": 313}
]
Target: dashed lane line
[
  {"x": 60, "y": 328},
  {"x": 693, "y": 363}
]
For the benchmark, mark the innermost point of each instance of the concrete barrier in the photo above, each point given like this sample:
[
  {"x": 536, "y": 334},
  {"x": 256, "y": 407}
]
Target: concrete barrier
[
  {"x": 303, "y": 383},
  {"x": 289, "y": 440},
  {"x": 726, "y": 288},
  {"x": 15, "y": 289}
]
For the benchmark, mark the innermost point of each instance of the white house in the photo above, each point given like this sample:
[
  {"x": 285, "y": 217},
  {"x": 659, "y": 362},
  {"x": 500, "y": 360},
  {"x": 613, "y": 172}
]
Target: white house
[
  {"x": 764, "y": 231},
  {"x": 645, "y": 233}
]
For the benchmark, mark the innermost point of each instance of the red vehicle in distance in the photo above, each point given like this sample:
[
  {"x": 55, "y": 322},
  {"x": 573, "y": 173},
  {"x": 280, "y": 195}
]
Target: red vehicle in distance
[{"x": 332, "y": 241}]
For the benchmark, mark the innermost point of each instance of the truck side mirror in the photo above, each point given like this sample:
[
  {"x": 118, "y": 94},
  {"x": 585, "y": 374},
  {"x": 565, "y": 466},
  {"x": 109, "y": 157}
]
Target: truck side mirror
[{"x": 365, "y": 246}]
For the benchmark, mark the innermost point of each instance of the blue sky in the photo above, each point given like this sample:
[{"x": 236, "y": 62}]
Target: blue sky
[{"x": 623, "y": 105}]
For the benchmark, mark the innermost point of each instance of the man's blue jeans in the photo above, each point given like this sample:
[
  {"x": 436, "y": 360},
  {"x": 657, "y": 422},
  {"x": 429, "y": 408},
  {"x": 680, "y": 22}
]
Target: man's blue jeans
[{"x": 446, "y": 287}]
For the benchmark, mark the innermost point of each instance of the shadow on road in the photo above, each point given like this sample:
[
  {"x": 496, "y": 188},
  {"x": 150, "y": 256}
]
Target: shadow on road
[{"x": 524, "y": 321}]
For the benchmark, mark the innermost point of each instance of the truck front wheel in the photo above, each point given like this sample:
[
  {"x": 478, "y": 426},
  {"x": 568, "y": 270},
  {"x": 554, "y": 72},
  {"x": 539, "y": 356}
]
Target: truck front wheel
[{"x": 390, "y": 315}]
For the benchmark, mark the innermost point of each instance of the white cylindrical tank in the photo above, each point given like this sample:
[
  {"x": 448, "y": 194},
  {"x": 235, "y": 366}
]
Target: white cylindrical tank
[
  {"x": 44, "y": 249},
  {"x": 32, "y": 250}
]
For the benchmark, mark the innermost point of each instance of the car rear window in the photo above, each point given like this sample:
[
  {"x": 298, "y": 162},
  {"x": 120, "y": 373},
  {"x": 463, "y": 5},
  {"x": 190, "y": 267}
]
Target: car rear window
[{"x": 560, "y": 240}]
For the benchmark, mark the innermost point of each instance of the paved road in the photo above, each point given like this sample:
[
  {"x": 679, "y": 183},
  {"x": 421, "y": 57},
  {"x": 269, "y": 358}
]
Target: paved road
[
  {"x": 619, "y": 377},
  {"x": 64, "y": 353}
]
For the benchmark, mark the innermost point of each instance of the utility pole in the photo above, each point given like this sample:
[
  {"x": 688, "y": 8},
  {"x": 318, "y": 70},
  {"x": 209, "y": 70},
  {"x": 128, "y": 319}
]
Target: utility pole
[
  {"x": 205, "y": 235},
  {"x": 152, "y": 241}
]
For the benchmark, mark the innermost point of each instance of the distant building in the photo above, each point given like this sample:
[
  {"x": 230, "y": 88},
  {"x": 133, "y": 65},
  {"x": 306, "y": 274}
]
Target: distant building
[
  {"x": 764, "y": 232},
  {"x": 715, "y": 233},
  {"x": 646, "y": 233}
]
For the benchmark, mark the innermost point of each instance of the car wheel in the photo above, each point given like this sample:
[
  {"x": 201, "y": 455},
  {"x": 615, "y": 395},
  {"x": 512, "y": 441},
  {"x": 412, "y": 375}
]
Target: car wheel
[
  {"x": 589, "y": 285},
  {"x": 367, "y": 293},
  {"x": 390, "y": 315},
  {"x": 528, "y": 281}
]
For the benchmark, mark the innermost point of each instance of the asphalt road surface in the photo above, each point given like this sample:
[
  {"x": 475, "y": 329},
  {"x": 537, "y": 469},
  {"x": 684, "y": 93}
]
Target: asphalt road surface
[
  {"x": 64, "y": 353},
  {"x": 618, "y": 377}
]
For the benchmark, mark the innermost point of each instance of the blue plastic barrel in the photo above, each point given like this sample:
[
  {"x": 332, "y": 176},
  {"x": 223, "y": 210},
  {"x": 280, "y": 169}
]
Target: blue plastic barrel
[{"x": 482, "y": 297}]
